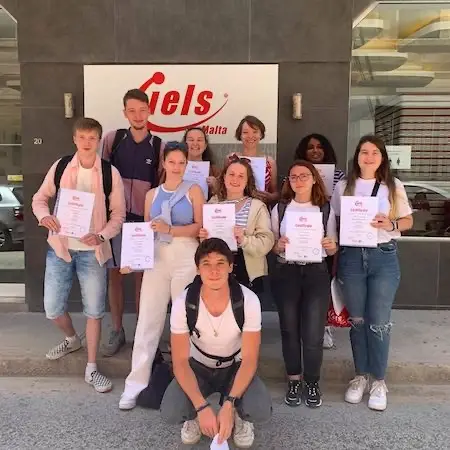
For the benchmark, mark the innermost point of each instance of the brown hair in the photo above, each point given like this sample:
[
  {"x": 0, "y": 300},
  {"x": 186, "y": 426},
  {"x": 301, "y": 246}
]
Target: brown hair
[
  {"x": 318, "y": 192},
  {"x": 87, "y": 124},
  {"x": 254, "y": 123},
  {"x": 250, "y": 188},
  {"x": 135, "y": 94},
  {"x": 383, "y": 174}
]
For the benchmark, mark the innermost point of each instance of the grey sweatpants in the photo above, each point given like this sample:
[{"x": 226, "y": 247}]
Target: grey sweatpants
[{"x": 255, "y": 405}]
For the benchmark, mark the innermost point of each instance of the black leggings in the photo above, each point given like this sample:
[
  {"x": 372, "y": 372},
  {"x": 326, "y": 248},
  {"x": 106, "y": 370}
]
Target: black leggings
[{"x": 302, "y": 295}]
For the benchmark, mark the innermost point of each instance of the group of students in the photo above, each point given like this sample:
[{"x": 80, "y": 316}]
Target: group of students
[{"x": 216, "y": 322}]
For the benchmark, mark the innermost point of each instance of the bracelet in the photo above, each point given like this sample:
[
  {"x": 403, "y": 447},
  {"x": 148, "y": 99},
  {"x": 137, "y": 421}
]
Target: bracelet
[{"x": 201, "y": 408}]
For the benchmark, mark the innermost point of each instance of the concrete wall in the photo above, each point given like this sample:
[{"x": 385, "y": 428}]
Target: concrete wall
[{"x": 310, "y": 40}]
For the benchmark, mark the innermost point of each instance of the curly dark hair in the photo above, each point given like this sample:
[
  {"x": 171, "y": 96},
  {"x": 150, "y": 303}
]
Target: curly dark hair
[{"x": 329, "y": 155}]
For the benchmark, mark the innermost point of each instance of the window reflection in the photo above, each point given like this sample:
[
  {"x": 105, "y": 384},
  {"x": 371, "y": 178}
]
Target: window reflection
[
  {"x": 400, "y": 89},
  {"x": 11, "y": 192}
]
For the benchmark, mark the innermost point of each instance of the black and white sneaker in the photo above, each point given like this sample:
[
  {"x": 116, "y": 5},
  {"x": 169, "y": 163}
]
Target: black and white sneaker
[
  {"x": 312, "y": 395},
  {"x": 98, "y": 381},
  {"x": 293, "y": 395}
]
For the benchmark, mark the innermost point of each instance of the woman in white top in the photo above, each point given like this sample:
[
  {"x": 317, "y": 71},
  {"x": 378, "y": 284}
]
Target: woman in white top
[
  {"x": 369, "y": 277},
  {"x": 302, "y": 288},
  {"x": 254, "y": 237}
]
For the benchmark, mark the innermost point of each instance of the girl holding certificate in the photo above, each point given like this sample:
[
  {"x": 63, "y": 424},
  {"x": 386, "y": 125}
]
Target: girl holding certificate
[
  {"x": 317, "y": 149},
  {"x": 199, "y": 150},
  {"x": 250, "y": 132},
  {"x": 236, "y": 185},
  {"x": 174, "y": 210},
  {"x": 303, "y": 288},
  {"x": 369, "y": 277}
]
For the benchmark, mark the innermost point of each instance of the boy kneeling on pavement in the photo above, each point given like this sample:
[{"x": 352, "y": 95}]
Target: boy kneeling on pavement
[{"x": 215, "y": 338}]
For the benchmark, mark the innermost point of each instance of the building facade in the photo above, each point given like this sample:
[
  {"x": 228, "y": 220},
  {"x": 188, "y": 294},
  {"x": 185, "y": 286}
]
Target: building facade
[{"x": 361, "y": 67}]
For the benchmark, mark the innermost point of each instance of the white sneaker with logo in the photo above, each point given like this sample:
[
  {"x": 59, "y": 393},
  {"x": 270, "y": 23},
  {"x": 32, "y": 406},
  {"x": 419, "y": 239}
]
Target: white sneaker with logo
[
  {"x": 378, "y": 396},
  {"x": 356, "y": 389},
  {"x": 67, "y": 346},
  {"x": 243, "y": 433},
  {"x": 190, "y": 432}
]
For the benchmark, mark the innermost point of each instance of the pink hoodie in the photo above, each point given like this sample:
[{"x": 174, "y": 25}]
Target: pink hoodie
[{"x": 69, "y": 181}]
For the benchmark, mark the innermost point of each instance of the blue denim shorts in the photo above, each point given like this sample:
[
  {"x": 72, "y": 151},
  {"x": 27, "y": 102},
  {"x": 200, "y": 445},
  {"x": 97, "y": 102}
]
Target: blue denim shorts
[{"x": 58, "y": 283}]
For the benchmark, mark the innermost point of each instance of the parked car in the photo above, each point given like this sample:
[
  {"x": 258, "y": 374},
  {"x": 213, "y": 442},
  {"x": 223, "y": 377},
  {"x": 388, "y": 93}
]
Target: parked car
[{"x": 12, "y": 228}]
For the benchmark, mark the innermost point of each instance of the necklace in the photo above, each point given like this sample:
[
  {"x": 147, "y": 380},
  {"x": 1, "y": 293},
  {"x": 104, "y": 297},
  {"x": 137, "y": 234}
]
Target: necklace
[
  {"x": 216, "y": 331},
  {"x": 235, "y": 201}
]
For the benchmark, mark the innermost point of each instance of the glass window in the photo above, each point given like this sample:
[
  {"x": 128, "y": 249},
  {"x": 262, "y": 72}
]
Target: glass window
[
  {"x": 400, "y": 90},
  {"x": 12, "y": 228}
]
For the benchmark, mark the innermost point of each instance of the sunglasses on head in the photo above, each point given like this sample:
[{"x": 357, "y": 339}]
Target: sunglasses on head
[
  {"x": 176, "y": 145},
  {"x": 235, "y": 158}
]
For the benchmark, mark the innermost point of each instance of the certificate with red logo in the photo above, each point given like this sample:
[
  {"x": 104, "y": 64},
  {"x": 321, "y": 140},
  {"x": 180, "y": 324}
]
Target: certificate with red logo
[
  {"x": 356, "y": 215},
  {"x": 220, "y": 219},
  {"x": 326, "y": 172},
  {"x": 74, "y": 212},
  {"x": 137, "y": 246},
  {"x": 305, "y": 232}
]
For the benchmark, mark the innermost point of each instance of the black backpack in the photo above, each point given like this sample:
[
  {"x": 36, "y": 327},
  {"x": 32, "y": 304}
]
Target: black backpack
[
  {"x": 107, "y": 178},
  {"x": 324, "y": 209},
  {"x": 122, "y": 133},
  {"x": 192, "y": 306}
]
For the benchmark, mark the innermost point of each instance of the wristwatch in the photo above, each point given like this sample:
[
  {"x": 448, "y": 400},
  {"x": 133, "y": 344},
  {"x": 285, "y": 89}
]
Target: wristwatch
[
  {"x": 101, "y": 237},
  {"x": 232, "y": 400}
]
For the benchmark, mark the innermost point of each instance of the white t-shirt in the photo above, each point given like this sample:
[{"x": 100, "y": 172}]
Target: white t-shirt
[
  {"x": 364, "y": 188},
  {"x": 229, "y": 336},
  {"x": 302, "y": 207},
  {"x": 84, "y": 184}
]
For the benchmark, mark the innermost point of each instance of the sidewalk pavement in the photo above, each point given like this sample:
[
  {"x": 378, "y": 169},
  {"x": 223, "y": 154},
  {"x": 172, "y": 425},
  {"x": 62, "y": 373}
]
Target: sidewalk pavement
[{"x": 420, "y": 349}]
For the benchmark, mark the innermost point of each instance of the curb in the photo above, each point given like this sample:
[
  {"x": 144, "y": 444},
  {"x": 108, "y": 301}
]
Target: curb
[{"x": 270, "y": 369}]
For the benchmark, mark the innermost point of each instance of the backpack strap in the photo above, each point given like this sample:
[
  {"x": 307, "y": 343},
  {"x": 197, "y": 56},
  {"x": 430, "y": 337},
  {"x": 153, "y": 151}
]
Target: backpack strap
[
  {"x": 60, "y": 168},
  {"x": 192, "y": 304},
  {"x": 376, "y": 186},
  {"x": 237, "y": 302},
  {"x": 121, "y": 134},
  {"x": 107, "y": 184},
  {"x": 156, "y": 144},
  {"x": 281, "y": 208},
  {"x": 325, "y": 210}
]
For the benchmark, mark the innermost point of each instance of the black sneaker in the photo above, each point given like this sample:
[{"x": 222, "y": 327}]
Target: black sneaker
[
  {"x": 312, "y": 395},
  {"x": 293, "y": 395}
]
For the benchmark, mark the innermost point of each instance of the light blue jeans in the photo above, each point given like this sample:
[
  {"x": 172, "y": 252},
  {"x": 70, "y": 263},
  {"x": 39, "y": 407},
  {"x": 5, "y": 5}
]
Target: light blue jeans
[
  {"x": 58, "y": 283},
  {"x": 369, "y": 278}
]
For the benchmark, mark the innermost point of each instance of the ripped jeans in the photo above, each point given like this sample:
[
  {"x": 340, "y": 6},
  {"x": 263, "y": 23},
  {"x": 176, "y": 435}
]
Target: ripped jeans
[{"x": 369, "y": 278}]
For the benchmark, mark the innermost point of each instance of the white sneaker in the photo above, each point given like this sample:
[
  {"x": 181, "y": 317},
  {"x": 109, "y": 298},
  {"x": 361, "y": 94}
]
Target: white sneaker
[
  {"x": 190, "y": 432},
  {"x": 356, "y": 389},
  {"x": 100, "y": 383},
  {"x": 244, "y": 433},
  {"x": 126, "y": 402},
  {"x": 328, "y": 339},
  {"x": 378, "y": 397},
  {"x": 64, "y": 349}
]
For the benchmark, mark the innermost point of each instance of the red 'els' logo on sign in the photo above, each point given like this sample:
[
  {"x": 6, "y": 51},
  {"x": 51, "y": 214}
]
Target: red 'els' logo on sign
[{"x": 190, "y": 100}]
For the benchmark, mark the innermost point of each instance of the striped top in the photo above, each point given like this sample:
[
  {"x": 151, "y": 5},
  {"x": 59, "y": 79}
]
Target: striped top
[
  {"x": 242, "y": 214},
  {"x": 338, "y": 176}
]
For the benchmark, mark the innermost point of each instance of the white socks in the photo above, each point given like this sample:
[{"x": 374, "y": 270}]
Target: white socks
[{"x": 90, "y": 367}]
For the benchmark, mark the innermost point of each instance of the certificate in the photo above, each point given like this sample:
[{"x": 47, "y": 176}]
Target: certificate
[
  {"x": 326, "y": 171},
  {"x": 74, "y": 212},
  {"x": 305, "y": 232},
  {"x": 198, "y": 172},
  {"x": 356, "y": 215},
  {"x": 259, "y": 171},
  {"x": 138, "y": 251},
  {"x": 219, "y": 219}
]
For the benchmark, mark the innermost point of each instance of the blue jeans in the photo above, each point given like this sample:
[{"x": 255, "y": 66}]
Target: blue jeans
[
  {"x": 58, "y": 283},
  {"x": 369, "y": 278}
]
